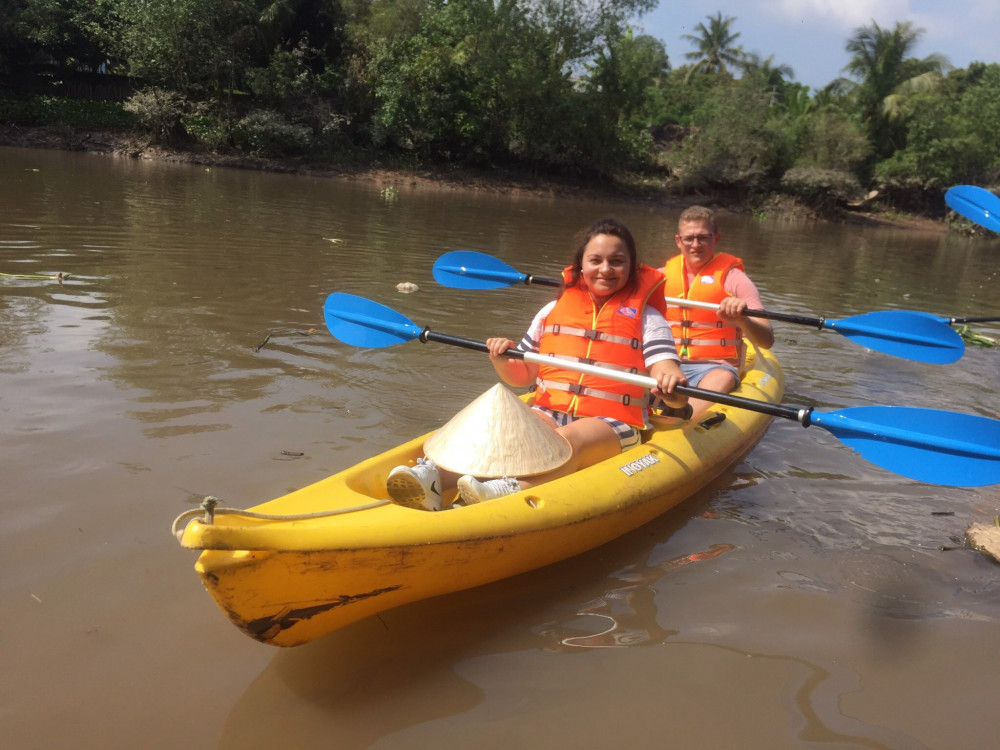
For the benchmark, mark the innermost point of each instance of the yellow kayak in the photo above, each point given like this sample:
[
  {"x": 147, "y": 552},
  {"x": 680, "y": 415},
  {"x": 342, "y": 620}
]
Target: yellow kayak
[{"x": 337, "y": 551}]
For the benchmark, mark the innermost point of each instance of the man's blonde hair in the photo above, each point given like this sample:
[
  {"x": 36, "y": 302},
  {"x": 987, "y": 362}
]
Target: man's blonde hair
[{"x": 698, "y": 213}]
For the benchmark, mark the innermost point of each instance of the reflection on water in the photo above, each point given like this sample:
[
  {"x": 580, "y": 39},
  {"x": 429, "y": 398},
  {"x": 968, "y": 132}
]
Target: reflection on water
[
  {"x": 627, "y": 614},
  {"x": 185, "y": 354}
]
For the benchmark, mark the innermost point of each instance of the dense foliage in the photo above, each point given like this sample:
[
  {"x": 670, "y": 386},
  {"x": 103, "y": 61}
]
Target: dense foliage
[{"x": 549, "y": 85}]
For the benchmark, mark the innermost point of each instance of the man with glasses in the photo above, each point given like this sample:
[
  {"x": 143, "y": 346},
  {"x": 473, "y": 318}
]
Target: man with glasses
[{"x": 711, "y": 342}]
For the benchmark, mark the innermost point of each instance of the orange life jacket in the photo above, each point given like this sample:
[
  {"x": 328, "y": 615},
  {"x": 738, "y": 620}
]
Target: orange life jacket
[
  {"x": 699, "y": 334},
  {"x": 610, "y": 336}
]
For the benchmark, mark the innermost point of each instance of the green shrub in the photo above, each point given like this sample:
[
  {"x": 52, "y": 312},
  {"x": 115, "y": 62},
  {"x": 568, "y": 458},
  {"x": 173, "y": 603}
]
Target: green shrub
[
  {"x": 738, "y": 141},
  {"x": 206, "y": 129},
  {"x": 830, "y": 140},
  {"x": 79, "y": 114},
  {"x": 821, "y": 188},
  {"x": 161, "y": 113},
  {"x": 268, "y": 134}
]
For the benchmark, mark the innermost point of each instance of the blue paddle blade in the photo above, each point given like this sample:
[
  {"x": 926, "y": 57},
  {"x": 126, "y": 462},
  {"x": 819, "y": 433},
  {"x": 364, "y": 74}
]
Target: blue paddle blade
[
  {"x": 360, "y": 322},
  {"x": 908, "y": 334},
  {"x": 468, "y": 269},
  {"x": 975, "y": 204},
  {"x": 929, "y": 445}
]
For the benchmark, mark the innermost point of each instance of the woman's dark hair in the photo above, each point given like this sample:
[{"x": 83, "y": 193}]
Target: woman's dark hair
[{"x": 611, "y": 227}]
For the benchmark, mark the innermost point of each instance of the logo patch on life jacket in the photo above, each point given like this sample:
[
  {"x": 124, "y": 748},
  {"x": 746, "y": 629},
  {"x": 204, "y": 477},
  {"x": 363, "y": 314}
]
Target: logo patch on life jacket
[
  {"x": 628, "y": 312},
  {"x": 707, "y": 279}
]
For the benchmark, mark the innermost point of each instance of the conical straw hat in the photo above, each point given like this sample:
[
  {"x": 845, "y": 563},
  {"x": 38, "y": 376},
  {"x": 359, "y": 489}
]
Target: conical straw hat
[{"x": 497, "y": 435}]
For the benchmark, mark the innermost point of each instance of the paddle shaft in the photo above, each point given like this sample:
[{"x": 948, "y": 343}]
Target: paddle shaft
[
  {"x": 804, "y": 319},
  {"x": 986, "y": 319},
  {"x": 531, "y": 279},
  {"x": 901, "y": 333},
  {"x": 918, "y": 443},
  {"x": 512, "y": 276},
  {"x": 796, "y": 414},
  {"x": 784, "y": 317},
  {"x": 838, "y": 423},
  {"x": 470, "y": 269}
]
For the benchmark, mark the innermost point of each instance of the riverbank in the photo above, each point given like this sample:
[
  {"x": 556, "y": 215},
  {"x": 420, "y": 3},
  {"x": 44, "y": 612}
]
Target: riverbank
[
  {"x": 424, "y": 177},
  {"x": 635, "y": 188}
]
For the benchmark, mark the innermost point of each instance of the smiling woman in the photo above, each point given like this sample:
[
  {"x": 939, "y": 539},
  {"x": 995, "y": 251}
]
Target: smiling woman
[
  {"x": 606, "y": 266},
  {"x": 608, "y": 312}
]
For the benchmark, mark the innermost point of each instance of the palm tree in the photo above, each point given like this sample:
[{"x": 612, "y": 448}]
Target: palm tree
[
  {"x": 716, "y": 45},
  {"x": 773, "y": 77},
  {"x": 887, "y": 74}
]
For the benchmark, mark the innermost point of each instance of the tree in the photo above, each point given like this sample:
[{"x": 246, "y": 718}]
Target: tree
[
  {"x": 486, "y": 81},
  {"x": 70, "y": 33},
  {"x": 303, "y": 24},
  {"x": 880, "y": 60},
  {"x": 15, "y": 46},
  {"x": 623, "y": 71},
  {"x": 773, "y": 77},
  {"x": 189, "y": 46},
  {"x": 739, "y": 142},
  {"x": 827, "y": 138},
  {"x": 715, "y": 45},
  {"x": 951, "y": 138}
]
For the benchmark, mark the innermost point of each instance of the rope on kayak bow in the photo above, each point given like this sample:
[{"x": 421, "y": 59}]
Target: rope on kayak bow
[{"x": 209, "y": 509}]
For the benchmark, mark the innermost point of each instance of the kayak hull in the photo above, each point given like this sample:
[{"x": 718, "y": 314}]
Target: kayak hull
[{"x": 289, "y": 581}]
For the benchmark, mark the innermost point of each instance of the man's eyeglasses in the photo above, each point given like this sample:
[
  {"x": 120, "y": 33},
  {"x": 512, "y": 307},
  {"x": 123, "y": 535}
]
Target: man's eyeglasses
[{"x": 703, "y": 239}]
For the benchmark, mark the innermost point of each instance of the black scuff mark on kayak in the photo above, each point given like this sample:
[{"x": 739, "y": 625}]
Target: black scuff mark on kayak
[{"x": 266, "y": 628}]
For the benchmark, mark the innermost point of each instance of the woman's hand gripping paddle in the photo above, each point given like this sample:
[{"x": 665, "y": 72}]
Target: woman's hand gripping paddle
[{"x": 928, "y": 445}]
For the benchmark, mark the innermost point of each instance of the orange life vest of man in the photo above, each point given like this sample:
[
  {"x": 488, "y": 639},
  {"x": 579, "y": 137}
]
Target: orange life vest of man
[
  {"x": 699, "y": 334},
  {"x": 611, "y": 336}
]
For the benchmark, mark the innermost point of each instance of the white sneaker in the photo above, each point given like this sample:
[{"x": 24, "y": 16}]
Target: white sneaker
[
  {"x": 473, "y": 491},
  {"x": 416, "y": 486}
]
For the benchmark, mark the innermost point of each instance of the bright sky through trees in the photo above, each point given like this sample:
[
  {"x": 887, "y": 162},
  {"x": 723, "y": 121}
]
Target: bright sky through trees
[{"x": 810, "y": 35}]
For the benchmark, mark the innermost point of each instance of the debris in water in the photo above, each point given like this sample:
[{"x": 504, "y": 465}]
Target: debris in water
[
  {"x": 985, "y": 538},
  {"x": 977, "y": 339}
]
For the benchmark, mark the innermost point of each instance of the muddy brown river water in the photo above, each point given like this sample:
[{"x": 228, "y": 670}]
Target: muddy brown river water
[{"x": 805, "y": 599}]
